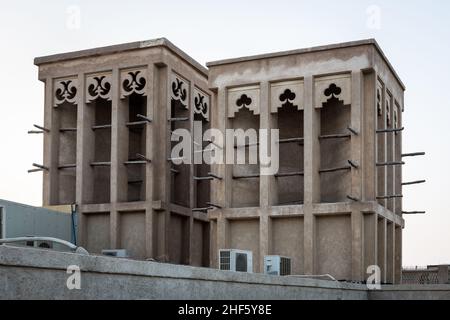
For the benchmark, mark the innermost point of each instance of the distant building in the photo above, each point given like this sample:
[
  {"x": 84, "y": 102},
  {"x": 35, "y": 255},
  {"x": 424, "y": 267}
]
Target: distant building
[{"x": 20, "y": 220}]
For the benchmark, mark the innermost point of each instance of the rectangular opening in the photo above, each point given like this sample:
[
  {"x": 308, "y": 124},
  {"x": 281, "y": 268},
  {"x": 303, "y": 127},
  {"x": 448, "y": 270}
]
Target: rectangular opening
[
  {"x": 66, "y": 131},
  {"x": 137, "y": 130},
  {"x": 180, "y": 174},
  {"x": 290, "y": 178},
  {"x": 335, "y": 152},
  {"x": 246, "y": 179},
  {"x": 102, "y": 151},
  {"x": 201, "y": 171},
  {"x": 178, "y": 239}
]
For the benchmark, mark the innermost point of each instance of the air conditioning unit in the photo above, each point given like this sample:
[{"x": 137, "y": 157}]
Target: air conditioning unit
[
  {"x": 236, "y": 260},
  {"x": 118, "y": 253},
  {"x": 277, "y": 265},
  {"x": 40, "y": 244}
]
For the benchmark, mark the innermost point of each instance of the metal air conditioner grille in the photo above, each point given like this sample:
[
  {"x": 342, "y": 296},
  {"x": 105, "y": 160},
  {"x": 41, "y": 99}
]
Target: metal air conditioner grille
[
  {"x": 285, "y": 268},
  {"x": 241, "y": 262},
  {"x": 225, "y": 260}
]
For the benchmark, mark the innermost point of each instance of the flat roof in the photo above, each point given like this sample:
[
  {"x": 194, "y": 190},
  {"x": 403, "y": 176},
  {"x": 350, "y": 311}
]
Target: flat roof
[
  {"x": 160, "y": 42},
  {"x": 310, "y": 50}
]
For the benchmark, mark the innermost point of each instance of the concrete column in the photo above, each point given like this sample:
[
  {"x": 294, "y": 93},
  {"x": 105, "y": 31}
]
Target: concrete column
[
  {"x": 357, "y": 245},
  {"x": 311, "y": 145},
  {"x": 356, "y": 177},
  {"x": 382, "y": 256},
  {"x": 398, "y": 255},
  {"x": 219, "y": 192},
  {"x": 370, "y": 241},
  {"x": 213, "y": 244},
  {"x": 118, "y": 152},
  {"x": 311, "y": 168},
  {"x": 165, "y": 110},
  {"x": 53, "y": 172},
  {"x": 84, "y": 157},
  {"x": 266, "y": 182},
  {"x": 161, "y": 141},
  {"x": 390, "y": 261},
  {"x": 357, "y": 114},
  {"x": 48, "y": 141},
  {"x": 222, "y": 233},
  {"x": 149, "y": 175}
]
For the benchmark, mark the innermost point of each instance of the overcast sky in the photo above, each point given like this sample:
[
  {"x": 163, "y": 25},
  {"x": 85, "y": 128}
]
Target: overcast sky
[{"x": 414, "y": 35}]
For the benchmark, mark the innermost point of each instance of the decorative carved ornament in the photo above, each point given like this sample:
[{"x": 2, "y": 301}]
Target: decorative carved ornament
[
  {"x": 133, "y": 81},
  {"x": 65, "y": 90},
  {"x": 396, "y": 110},
  {"x": 179, "y": 90},
  {"x": 201, "y": 103},
  {"x": 379, "y": 98},
  {"x": 388, "y": 109},
  {"x": 98, "y": 86},
  {"x": 243, "y": 97},
  {"x": 289, "y": 93},
  {"x": 331, "y": 88}
]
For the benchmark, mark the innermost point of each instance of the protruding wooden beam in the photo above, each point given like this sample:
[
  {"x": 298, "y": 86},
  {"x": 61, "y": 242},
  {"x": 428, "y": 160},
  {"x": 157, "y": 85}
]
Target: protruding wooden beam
[
  {"x": 390, "y": 197},
  {"x": 413, "y": 212},
  {"x": 390, "y": 130},
  {"x": 413, "y": 182},
  {"x": 335, "y": 169},
  {"x": 415, "y": 154},
  {"x": 385, "y": 164}
]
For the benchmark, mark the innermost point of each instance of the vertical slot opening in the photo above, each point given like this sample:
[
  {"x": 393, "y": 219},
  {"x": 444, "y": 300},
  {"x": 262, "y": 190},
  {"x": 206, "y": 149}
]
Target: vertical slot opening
[
  {"x": 137, "y": 130},
  {"x": 335, "y": 151},
  {"x": 102, "y": 151},
  {"x": 202, "y": 187},
  {"x": 290, "y": 178},
  {"x": 66, "y": 115},
  {"x": 180, "y": 173},
  {"x": 246, "y": 179}
]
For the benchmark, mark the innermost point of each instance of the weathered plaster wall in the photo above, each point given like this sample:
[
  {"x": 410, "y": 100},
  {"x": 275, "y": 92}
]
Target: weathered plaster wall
[{"x": 38, "y": 274}]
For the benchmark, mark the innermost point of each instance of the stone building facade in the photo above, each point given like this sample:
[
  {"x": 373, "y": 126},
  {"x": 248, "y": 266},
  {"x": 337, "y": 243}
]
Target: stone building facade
[
  {"x": 334, "y": 207},
  {"x": 109, "y": 113}
]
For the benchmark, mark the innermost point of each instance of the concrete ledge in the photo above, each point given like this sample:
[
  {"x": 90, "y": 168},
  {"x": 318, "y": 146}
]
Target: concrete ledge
[
  {"x": 39, "y": 274},
  {"x": 27, "y": 273},
  {"x": 160, "y": 42}
]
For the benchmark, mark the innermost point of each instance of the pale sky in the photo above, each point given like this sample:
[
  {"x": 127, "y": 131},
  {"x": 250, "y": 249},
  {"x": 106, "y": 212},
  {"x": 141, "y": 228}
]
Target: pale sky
[{"x": 413, "y": 34}]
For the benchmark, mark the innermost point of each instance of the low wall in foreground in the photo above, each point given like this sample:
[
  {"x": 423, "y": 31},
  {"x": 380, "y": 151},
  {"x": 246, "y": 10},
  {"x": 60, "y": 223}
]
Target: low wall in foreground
[{"x": 27, "y": 273}]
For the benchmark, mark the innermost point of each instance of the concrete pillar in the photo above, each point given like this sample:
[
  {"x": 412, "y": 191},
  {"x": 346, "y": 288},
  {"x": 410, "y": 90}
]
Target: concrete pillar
[
  {"x": 219, "y": 191},
  {"x": 84, "y": 157},
  {"x": 356, "y": 177},
  {"x": 311, "y": 168},
  {"x": 149, "y": 145},
  {"x": 119, "y": 153},
  {"x": 382, "y": 256},
  {"x": 48, "y": 141},
  {"x": 161, "y": 137},
  {"x": 222, "y": 233},
  {"x": 398, "y": 254},
  {"x": 390, "y": 260},
  {"x": 370, "y": 241},
  {"x": 357, "y": 245},
  {"x": 266, "y": 182}
]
